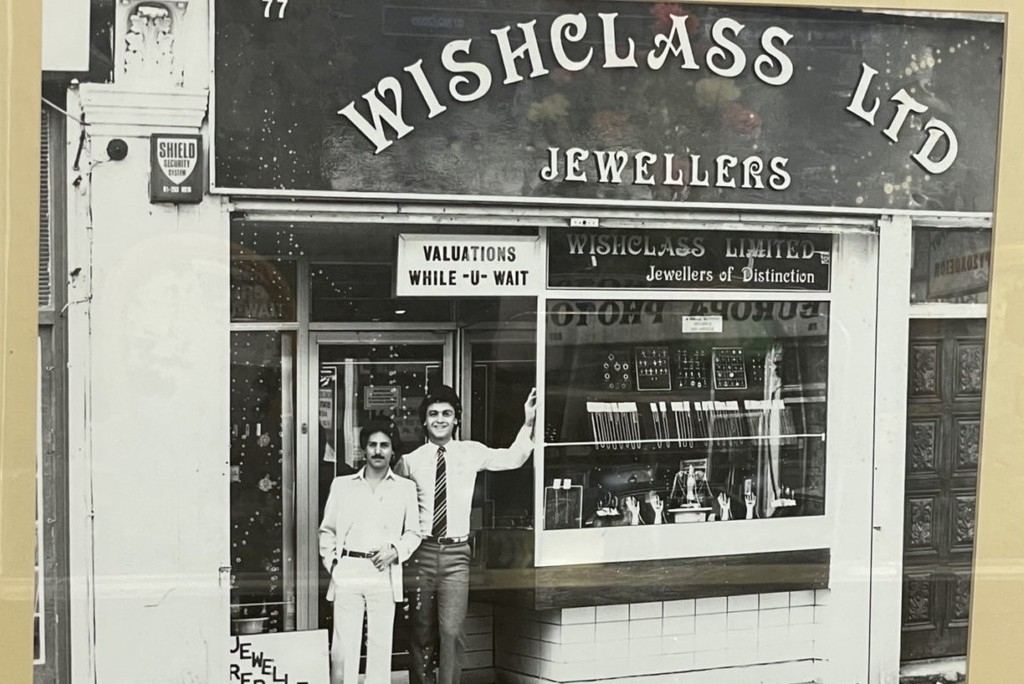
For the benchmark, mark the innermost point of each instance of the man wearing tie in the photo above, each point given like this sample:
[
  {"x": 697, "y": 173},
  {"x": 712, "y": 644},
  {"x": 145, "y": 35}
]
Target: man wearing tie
[{"x": 444, "y": 470}]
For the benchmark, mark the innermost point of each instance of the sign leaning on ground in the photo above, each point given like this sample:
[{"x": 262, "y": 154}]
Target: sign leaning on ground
[{"x": 281, "y": 658}]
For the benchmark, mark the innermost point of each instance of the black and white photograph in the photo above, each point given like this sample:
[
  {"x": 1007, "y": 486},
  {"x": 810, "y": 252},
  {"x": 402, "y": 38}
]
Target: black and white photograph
[{"x": 555, "y": 341}]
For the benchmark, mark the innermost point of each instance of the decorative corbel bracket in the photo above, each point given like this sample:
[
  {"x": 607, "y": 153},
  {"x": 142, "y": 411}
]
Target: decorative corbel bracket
[{"x": 146, "y": 32}]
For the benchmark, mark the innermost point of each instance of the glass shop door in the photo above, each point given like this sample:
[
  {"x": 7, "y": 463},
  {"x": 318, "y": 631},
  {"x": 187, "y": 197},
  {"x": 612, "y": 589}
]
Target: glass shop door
[
  {"x": 499, "y": 369},
  {"x": 351, "y": 378}
]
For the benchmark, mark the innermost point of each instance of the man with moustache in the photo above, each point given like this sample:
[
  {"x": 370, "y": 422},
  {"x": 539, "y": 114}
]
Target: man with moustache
[
  {"x": 444, "y": 470},
  {"x": 371, "y": 526}
]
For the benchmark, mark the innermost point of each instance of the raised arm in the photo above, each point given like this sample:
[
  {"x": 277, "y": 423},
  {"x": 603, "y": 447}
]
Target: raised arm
[{"x": 516, "y": 454}]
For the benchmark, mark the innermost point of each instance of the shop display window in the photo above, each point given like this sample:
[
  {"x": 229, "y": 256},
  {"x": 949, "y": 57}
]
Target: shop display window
[
  {"x": 951, "y": 266},
  {"x": 663, "y": 411},
  {"x": 362, "y": 292},
  {"x": 262, "y": 482},
  {"x": 263, "y": 289}
]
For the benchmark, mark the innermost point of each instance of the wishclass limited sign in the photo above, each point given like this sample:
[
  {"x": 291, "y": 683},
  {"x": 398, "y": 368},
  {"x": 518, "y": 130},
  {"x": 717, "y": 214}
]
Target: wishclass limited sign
[{"x": 689, "y": 260}]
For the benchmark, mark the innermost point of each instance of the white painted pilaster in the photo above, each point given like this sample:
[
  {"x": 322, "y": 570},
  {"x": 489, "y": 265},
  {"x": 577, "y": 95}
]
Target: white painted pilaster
[
  {"x": 843, "y": 637},
  {"x": 894, "y": 261},
  {"x": 148, "y": 375}
]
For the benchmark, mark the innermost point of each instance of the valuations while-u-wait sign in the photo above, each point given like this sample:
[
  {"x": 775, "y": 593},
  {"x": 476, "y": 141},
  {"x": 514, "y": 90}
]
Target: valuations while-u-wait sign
[{"x": 600, "y": 102}]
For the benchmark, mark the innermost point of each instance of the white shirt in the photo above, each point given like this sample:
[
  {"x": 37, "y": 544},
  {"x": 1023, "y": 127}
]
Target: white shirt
[
  {"x": 359, "y": 518},
  {"x": 463, "y": 460}
]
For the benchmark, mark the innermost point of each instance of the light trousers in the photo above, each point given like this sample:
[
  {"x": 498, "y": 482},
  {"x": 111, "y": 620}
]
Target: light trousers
[{"x": 361, "y": 589}]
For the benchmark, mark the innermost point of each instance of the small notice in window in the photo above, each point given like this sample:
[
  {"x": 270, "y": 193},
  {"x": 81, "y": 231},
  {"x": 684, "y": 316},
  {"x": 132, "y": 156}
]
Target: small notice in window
[
  {"x": 702, "y": 324},
  {"x": 377, "y": 398}
]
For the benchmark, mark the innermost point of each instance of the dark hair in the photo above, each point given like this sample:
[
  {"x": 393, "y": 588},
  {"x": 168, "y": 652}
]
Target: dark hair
[
  {"x": 441, "y": 394},
  {"x": 383, "y": 425}
]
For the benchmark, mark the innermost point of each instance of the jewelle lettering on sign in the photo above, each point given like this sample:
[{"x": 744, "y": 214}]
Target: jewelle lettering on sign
[{"x": 647, "y": 168}]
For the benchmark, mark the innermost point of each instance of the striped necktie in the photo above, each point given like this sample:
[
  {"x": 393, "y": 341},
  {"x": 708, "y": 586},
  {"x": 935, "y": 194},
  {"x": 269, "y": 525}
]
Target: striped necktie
[{"x": 440, "y": 526}]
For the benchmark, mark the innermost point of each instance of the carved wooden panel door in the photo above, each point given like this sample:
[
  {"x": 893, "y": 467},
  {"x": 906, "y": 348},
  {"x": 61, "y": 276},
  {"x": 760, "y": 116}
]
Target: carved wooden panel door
[{"x": 943, "y": 430}]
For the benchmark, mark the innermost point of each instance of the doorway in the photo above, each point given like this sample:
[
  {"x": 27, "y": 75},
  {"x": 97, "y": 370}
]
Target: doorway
[
  {"x": 351, "y": 378},
  {"x": 354, "y": 376},
  {"x": 943, "y": 430}
]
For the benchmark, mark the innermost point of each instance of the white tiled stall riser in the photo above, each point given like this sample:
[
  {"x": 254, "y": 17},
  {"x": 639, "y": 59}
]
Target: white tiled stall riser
[{"x": 757, "y": 637}]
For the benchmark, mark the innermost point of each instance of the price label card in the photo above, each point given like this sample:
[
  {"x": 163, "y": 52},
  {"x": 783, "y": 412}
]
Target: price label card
[{"x": 702, "y": 324}]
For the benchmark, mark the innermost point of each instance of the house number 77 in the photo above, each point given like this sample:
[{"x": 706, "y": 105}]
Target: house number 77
[{"x": 268, "y": 10}]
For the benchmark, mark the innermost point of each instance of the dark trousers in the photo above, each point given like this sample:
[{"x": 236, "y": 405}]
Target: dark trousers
[{"x": 439, "y": 579}]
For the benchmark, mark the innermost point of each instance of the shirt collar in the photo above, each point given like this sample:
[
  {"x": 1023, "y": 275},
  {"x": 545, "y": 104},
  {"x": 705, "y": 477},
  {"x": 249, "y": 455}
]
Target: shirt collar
[{"x": 390, "y": 475}]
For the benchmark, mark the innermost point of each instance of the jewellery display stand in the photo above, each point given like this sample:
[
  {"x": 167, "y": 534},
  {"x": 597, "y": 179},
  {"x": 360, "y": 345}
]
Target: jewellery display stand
[{"x": 563, "y": 507}]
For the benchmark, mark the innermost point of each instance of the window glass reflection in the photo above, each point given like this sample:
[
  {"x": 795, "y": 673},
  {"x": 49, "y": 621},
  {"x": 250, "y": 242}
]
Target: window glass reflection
[{"x": 951, "y": 266}]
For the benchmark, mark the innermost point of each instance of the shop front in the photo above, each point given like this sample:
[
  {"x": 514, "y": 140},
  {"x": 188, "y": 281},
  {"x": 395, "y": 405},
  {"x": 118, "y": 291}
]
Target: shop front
[
  {"x": 691, "y": 504},
  {"x": 668, "y": 411},
  {"x": 702, "y": 233}
]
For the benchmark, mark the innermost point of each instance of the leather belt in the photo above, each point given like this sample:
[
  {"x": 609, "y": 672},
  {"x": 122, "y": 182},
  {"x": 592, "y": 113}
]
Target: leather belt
[
  {"x": 445, "y": 541},
  {"x": 356, "y": 554}
]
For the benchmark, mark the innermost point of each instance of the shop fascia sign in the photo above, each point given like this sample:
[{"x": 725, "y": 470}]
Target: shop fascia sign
[
  {"x": 612, "y": 103},
  {"x": 384, "y": 123},
  {"x": 467, "y": 266}
]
